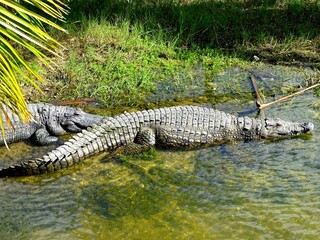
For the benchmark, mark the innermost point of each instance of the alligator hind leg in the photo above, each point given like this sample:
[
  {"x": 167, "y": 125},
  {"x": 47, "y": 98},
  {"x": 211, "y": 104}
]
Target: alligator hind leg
[
  {"x": 42, "y": 137},
  {"x": 144, "y": 139},
  {"x": 146, "y": 136}
]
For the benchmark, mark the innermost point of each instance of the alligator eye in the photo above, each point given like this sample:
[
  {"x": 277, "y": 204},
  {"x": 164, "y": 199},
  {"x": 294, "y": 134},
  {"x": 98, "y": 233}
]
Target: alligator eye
[
  {"x": 78, "y": 112},
  {"x": 270, "y": 123}
]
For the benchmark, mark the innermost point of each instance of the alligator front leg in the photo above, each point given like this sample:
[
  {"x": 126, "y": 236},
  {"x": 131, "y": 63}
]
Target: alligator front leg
[{"x": 43, "y": 137}]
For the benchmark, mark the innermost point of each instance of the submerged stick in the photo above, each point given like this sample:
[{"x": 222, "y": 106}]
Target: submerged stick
[{"x": 265, "y": 105}]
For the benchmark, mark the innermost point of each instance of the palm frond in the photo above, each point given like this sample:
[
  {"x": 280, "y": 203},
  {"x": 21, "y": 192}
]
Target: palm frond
[{"x": 21, "y": 26}]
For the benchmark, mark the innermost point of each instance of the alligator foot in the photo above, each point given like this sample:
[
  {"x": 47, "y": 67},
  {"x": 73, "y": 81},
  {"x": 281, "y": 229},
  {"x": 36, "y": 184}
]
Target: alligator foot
[{"x": 42, "y": 137}]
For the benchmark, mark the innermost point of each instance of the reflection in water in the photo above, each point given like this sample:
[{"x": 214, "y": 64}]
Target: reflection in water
[{"x": 245, "y": 190}]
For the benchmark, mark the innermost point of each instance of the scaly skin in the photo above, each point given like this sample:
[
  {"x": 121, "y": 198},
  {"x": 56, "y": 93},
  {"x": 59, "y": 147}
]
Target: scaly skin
[
  {"x": 47, "y": 122},
  {"x": 174, "y": 126}
]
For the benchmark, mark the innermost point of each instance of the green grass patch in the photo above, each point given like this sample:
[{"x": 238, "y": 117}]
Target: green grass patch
[
  {"x": 139, "y": 52},
  {"x": 120, "y": 64},
  {"x": 227, "y": 24}
]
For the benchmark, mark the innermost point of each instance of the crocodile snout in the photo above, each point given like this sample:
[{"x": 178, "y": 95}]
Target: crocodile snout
[{"x": 308, "y": 126}]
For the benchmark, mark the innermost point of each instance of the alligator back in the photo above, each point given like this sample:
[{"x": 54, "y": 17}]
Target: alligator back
[{"x": 18, "y": 130}]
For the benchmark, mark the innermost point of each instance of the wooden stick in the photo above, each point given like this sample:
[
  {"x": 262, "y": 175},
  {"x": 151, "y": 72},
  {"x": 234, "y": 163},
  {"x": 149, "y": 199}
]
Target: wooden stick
[
  {"x": 256, "y": 89},
  {"x": 263, "y": 106},
  {"x": 254, "y": 83}
]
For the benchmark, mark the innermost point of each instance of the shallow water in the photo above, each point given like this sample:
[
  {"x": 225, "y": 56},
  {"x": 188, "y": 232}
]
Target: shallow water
[{"x": 244, "y": 190}]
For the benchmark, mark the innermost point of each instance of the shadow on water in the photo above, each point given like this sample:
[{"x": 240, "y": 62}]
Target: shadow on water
[{"x": 141, "y": 197}]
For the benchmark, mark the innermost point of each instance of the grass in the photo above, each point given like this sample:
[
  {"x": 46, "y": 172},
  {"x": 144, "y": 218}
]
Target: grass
[
  {"x": 123, "y": 52},
  {"x": 227, "y": 24}
]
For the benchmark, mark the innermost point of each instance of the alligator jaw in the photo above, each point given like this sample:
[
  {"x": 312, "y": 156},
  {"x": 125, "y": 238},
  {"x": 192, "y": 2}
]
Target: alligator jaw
[
  {"x": 87, "y": 120},
  {"x": 279, "y": 128},
  {"x": 80, "y": 120}
]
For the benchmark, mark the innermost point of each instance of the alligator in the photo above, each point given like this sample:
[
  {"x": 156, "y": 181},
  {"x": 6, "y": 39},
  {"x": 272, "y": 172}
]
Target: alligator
[
  {"x": 182, "y": 126},
  {"x": 47, "y": 122}
]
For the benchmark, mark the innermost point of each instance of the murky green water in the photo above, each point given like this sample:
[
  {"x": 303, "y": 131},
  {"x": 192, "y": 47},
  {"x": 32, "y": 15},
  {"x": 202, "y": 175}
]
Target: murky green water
[{"x": 245, "y": 190}]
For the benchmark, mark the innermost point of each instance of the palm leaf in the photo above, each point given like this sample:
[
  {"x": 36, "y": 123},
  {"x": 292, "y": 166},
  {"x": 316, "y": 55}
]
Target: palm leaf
[{"x": 22, "y": 26}]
